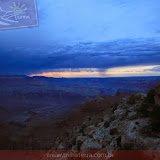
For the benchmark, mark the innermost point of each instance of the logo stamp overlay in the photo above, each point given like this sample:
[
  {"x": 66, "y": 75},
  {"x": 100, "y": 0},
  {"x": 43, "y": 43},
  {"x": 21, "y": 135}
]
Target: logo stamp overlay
[{"x": 18, "y": 14}]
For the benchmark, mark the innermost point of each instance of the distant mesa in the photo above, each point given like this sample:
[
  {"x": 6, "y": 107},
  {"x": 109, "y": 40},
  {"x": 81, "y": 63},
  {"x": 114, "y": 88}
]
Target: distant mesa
[{"x": 13, "y": 76}]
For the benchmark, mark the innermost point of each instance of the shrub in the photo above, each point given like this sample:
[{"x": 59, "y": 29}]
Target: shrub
[
  {"x": 114, "y": 107},
  {"x": 128, "y": 146},
  {"x": 113, "y": 131},
  {"x": 89, "y": 118},
  {"x": 134, "y": 127},
  {"x": 82, "y": 129},
  {"x": 155, "y": 114},
  {"x": 118, "y": 93},
  {"x": 148, "y": 104},
  {"x": 112, "y": 118},
  {"x": 150, "y": 97},
  {"x": 119, "y": 141},
  {"x": 131, "y": 100},
  {"x": 155, "y": 126},
  {"x": 155, "y": 117},
  {"x": 136, "y": 123},
  {"x": 144, "y": 109},
  {"x": 151, "y": 110},
  {"x": 106, "y": 124},
  {"x": 146, "y": 131}
]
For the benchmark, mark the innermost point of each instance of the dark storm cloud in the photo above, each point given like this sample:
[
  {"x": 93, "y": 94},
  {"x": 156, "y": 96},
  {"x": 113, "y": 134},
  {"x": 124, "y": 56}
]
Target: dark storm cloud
[
  {"x": 102, "y": 55},
  {"x": 84, "y": 34}
]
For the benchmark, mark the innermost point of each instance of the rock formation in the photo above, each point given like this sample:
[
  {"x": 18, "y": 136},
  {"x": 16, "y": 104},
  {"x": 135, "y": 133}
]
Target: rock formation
[{"x": 129, "y": 125}]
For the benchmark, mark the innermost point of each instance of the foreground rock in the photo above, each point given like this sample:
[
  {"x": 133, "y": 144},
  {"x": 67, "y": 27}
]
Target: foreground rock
[{"x": 124, "y": 126}]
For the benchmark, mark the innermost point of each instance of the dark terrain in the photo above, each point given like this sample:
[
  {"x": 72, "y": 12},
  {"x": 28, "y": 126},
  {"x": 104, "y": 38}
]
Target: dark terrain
[
  {"x": 35, "y": 110},
  {"x": 130, "y": 124}
]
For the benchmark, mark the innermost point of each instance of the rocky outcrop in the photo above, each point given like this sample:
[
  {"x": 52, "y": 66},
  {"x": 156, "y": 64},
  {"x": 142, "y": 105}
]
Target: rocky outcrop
[
  {"x": 122, "y": 127},
  {"x": 91, "y": 144}
]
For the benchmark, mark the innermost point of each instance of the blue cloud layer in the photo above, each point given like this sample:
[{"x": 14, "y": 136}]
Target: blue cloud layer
[
  {"x": 83, "y": 34},
  {"x": 100, "y": 55}
]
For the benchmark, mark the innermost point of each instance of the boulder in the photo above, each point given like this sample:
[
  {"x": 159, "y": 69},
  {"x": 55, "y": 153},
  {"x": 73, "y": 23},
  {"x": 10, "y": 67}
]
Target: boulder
[
  {"x": 106, "y": 117},
  {"x": 132, "y": 114},
  {"x": 61, "y": 147},
  {"x": 89, "y": 144},
  {"x": 90, "y": 128},
  {"x": 100, "y": 134}
]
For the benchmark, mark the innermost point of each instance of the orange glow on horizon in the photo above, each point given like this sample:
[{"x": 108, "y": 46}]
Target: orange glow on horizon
[{"x": 94, "y": 72}]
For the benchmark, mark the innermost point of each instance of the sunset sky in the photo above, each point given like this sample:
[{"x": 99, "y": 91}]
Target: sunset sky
[
  {"x": 94, "y": 72},
  {"x": 86, "y": 38}
]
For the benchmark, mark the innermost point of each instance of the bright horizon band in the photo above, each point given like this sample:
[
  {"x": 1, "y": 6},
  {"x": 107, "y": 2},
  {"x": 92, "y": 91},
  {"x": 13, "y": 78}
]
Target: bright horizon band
[{"x": 102, "y": 73}]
